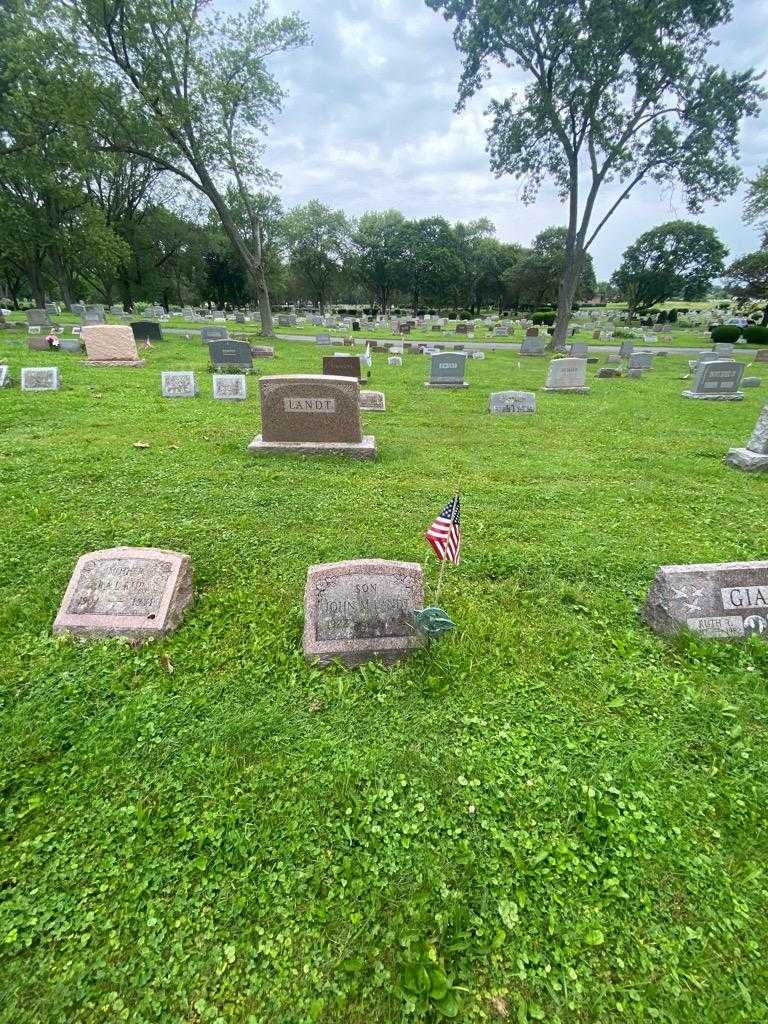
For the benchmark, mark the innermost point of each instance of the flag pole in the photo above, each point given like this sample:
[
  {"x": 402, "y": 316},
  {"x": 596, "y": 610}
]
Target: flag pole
[{"x": 440, "y": 581}]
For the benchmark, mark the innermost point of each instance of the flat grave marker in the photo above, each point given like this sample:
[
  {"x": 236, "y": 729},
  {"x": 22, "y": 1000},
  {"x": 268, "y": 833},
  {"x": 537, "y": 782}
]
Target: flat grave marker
[
  {"x": 40, "y": 378},
  {"x": 230, "y": 387},
  {"x": 139, "y": 593},
  {"x": 510, "y": 403},
  {"x": 372, "y": 401},
  {"x": 178, "y": 384}
]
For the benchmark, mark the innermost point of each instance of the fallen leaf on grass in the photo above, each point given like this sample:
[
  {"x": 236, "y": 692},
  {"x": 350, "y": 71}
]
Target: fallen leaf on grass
[
  {"x": 167, "y": 664},
  {"x": 141, "y": 444}
]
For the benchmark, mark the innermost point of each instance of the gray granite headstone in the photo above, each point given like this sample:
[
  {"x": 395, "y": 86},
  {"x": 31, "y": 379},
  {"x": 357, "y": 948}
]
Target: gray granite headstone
[
  {"x": 567, "y": 375},
  {"x": 139, "y": 593},
  {"x": 578, "y": 350},
  {"x": 78, "y": 309},
  {"x": 727, "y": 599},
  {"x": 607, "y": 372},
  {"x": 147, "y": 330},
  {"x": 311, "y": 414},
  {"x": 640, "y": 361},
  {"x": 751, "y": 382},
  {"x": 323, "y": 339},
  {"x": 626, "y": 349},
  {"x": 395, "y": 361},
  {"x": 508, "y": 403},
  {"x": 373, "y": 401},
  {"x": 38, "y": 318},
  {"x": 532, "y": 345},
  {"x": 754, "y": 456},
  {"x": 717, "y": 381},
  {"x": 761, "y": 356},
  {"x": 230, "y": 387},
  {"x": 362, "y": 610},
  {"x": 213, "y": 334},
  {"x": 446, "y": 370},
  {"x": 723, "y": 349},
  {"x": 228, "y": 352},
  {"x": 178, "y": 384},
  {"x": 40, "y": 378},
  {"x": 5, "y": 376}
]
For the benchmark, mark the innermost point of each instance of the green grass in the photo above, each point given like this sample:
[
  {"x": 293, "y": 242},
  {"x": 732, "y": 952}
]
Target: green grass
[{"x": 551, "y": 814}]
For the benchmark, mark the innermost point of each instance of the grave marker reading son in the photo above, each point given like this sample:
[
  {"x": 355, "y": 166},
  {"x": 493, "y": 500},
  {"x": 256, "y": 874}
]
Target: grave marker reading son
[
  {"x": 178, "y": 384},
  {"x": 357, "y": 611},
  {"x": 507, "y": 403},
  {"x": 230, "y": 387}
]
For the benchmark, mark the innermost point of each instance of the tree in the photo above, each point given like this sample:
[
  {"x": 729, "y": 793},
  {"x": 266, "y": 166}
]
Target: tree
[
  {"x": 747, "y": 277},
  {"x": 535, "y": 279},
  {"x": 616, "y": 92},
  {"x": 756, "y": 205},
  {"x": 674, "y": 260},
  {"x": 197, "y": 88},
  {"x": 317, "y": 240},
  {"x": 433, "y": 263},
  {"x": 381, "y": 254}
]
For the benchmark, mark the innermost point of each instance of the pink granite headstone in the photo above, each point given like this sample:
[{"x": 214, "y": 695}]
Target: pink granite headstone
[
  {"x": 362, "y": 610},
  {"x": 139, "y": 593}
]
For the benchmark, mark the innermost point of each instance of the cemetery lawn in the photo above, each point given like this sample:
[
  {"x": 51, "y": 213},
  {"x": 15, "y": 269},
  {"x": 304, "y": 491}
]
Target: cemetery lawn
[{"x": 551, "y": 815}]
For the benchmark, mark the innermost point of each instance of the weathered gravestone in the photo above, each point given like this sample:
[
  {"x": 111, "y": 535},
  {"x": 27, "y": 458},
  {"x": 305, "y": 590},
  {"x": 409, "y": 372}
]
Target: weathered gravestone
[
  {"x": 312, "y": 414},
  {"x": 640, "y": 361},
  {"x": 567, "y": 375},
  {"x": 723, "y": 349},
  {"x": 362, "y": 610},
  {"x": 116, "y": 310},
  {"x": 213, "y": 334},
  {"x": 5, "y": 376},
  {"x": 532, "y": 332},
  {"x": 228, "y": 352},
  {"x": 395, "y": 361},
  {"x": 73, "y": 345},
  {"x": 753, "y": 457},
  {"x": 608, "y": 372},
  {"x": 323, "y": 339},
  {"x": 178, "y": 384},
  {"x": 717, "y": 381},
  {"x": 373, "y": 401},
  {"x": 578, "y": 350},
  {"x": 40, "y": 378},
  {"x": 532, "y": 346},
  {"x": 93, "y": 315},
  {"x": 505, "y": 403},
  {"x": 626, "y": 349},
  {"x": 78, "y": 309},
  {"x": 52, "y": 308},
  {"x": 726, "y": 599},
  {"x": 342, "y": 366},
  {"x": 139, "y": 593},
  {"x": 37, "y": 344},
  {"x": 761, "y": 356},
  {"x": 147, "y": 330},
  {"x": 110, "y": 346},
  {"x": 38, "y": 318},
  {"x": 230, "y": 387},
  {"x": 446, "y": 370},
  {"x": 262, "y": 351},
  {"x": 478, "y": 355},
  {"x": 751, "y": 382}
]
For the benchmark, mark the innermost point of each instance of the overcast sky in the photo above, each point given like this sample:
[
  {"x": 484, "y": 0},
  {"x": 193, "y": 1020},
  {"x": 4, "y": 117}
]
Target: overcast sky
[{"x": 369, "y": 125}]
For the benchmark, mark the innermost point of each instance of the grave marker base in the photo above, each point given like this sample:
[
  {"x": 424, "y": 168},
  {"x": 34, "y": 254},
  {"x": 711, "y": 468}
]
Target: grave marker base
[
  {"x": 135, "y": 363},
  {"x": 569, "y": 391},
  {"x": 365, "y": 449},
  {"x": 737, "y": 396},
  {"x": 743, "y": 458},
  {"x": 447, "y": 385}
]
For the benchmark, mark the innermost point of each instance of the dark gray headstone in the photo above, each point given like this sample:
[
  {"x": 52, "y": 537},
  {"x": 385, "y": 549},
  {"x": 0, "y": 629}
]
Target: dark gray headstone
[
  {"x": 213, "y": 334},
  {"x": 227, "y": 352},
  {"x": 446, "y": 370},
  {"x": 147, "y": 330},
  {"x": 717, "y": 381}
]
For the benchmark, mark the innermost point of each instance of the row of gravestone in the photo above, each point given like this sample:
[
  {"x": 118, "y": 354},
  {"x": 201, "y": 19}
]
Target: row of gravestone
[{"x": 361, "y": 610}]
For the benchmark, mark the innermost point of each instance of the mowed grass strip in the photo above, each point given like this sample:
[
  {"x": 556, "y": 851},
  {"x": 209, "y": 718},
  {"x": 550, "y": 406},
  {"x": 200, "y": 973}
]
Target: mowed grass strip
[{"x": 551, "y": 814}]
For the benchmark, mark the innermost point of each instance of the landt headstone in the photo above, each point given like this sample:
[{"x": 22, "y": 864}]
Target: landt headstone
[
  {"x": 342, "y": 366},
  {"x": 139, "y": 593},
  {"x": 147, "y": 330},
  {"x": 178, "y": 384},
  {"x": 725, "y": 600},
  {"x": 110, "y": 345},
  {"x": 230, "y": 387},
  {"x": 362, "y": 610},
  {"x": 446, "y": 370},
  {"x": 507, "y": 403},
  {"x": 40, "y": 378},
  {"x": 717, "y": 381},
  {"x": 567, "y": 374},
  {"x": 228, "y": 352},
  {"x": 312, "y": 414},
  {"x": 754, "y": 456},
  {"x": 373, "y": 401}
]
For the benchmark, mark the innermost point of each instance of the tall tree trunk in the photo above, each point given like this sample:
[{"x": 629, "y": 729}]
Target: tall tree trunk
[
  {"x": 35, "y": 275},
  {"x": 61, "y": 277}
]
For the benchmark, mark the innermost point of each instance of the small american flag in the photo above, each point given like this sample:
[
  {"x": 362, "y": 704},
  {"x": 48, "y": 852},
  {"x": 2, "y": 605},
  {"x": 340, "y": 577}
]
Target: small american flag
[{"x": 445, "y": 532}]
